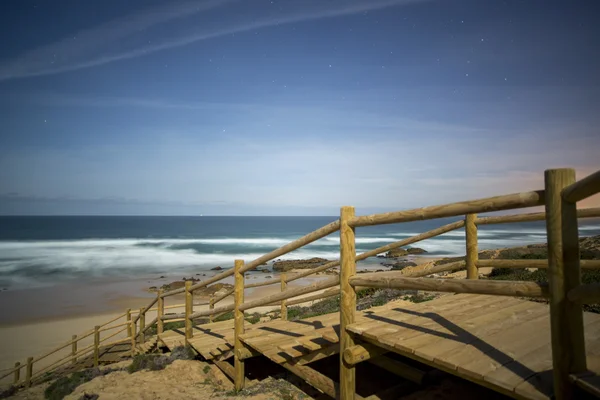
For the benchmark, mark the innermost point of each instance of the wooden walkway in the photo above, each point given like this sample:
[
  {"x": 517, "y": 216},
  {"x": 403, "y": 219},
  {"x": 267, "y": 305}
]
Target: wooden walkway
[{"x": 498, "y": 342}]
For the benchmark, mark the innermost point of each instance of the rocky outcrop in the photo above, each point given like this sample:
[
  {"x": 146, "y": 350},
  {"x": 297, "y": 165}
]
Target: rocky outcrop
[
  {"x": 400, "y": 252},
  {"x": 416, "y": 250},
  {"x": 400, "y": 265},
  {"x": 283, "y": 266},
  {"x": 395, "y": 253}
]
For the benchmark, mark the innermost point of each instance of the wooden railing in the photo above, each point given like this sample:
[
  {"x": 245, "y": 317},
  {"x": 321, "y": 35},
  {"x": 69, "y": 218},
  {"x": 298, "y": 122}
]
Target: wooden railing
[{"x": 564, "y": 290}]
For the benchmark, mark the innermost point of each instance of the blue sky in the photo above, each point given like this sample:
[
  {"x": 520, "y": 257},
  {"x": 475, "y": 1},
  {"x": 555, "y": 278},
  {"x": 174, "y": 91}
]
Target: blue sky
[{"x": 290, "y": 107}]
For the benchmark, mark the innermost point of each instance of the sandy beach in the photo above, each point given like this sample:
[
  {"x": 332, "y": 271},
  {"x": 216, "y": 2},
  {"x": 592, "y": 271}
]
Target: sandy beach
[{"x": 40, "y": 320}]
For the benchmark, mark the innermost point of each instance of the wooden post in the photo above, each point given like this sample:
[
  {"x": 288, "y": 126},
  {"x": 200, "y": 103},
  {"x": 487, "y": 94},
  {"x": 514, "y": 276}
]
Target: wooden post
[
  {"x": 17, "y": 373},
  {"x": 283, "y": 302},
  {"x": 211, "y": 306},
  {"x": 160, "y": 312},
  {"x": 472, "y": 250},
  {"x": 74, "y": 349},
  {"x": 142, "y": 325},
  {"x": 238, "y": 364},
  {"x": 96, "y": 345},
  {"x": 29, "y": 372},
  {"x": 189, "y": 310},
  {"x": 133, "y": 335},
  {"x": 566, "y": 317},
  {"x": 347, "y": 301},
  {"x": 128, "y": 317}
]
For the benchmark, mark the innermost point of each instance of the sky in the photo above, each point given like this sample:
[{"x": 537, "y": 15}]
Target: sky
[{"x": 291, "y": 107}]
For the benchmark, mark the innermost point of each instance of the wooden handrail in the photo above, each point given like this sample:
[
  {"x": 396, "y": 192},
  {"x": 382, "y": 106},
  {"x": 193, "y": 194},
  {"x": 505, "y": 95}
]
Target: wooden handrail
[
  {"x": 498, "y": 203},
  {"x": 228, "y": 293},
  {"x": 70, "y": 342},
  {"x": 113, "y": 335},
  {"x": 296, "y": 244},
  {"x": 113, "y": 320},
  {"x": 263, "y": 283},
  {"x": 328, "y": 293},
  {"x": 541, "y": 264},
  {"x": 582, "y": 189},
  {"x": 499, "y": 288},
  {"x": 288, "y": 294},
  {"x": 145, "y": 309},
  {"x": 216, "y": 310},
  {"x": 108, "y": 328},
  {"x": 593, "y": 212}
]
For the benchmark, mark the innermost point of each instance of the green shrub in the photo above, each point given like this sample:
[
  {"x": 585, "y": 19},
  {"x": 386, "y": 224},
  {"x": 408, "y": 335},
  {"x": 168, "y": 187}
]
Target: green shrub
[
  {"x": 224, "y": 317},
  {"x": 157, "y": 362},
  {"x": 67, "y": 384}
]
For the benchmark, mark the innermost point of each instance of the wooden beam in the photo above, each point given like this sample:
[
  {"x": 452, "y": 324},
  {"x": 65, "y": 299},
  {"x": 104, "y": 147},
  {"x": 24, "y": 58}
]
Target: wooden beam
[
  {"x": 263, "y": 283},
  {"x": 296, "y": 244},
  {"x": 471, "y": 242},
  {"x": 566, "y": 317},
  {"x": 500, "y": 288},
  {"x": 142, "y": 316},
  {"x": 399, "y": 368},
  {"x": 498, "y": 203},
  {"x": 347, "y": 301},
  {"x": 288, "y": 294},
  {"x": 543, "y": 264},
  {"x": 529, "y": 217},
  {"x": 246, "y": 352},
  {"x": 585, "y": 294},
  {"x": 160, "y": 324},
  {"x": 316, "y": 379},
  {"x": 328, "y": 293},
  {"x": 238, "y": 324},
  {"x": 362, "y": 352},
  {"x": 582, "y": 189},
  {"x": 128, "y": 319},
  {"x": 17, "y": 376},
  {"x": 74, "y": 347},
  {"x": 29, "y": 372},
  {"x": 427, "y": 269},
  {"x": 283, "y": 302},
  {"x": 189, "y": 310},
  {"x": 211, "y": 307},
  {"x": 324, "y": 352}
]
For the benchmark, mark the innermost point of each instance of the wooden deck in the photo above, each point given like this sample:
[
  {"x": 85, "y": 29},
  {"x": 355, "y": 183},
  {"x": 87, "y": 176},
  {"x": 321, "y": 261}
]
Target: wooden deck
[{"x": 498, "y": 342}]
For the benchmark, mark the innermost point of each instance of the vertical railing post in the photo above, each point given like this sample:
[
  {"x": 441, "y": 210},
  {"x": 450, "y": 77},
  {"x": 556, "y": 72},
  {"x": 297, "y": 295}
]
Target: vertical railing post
[
  {"x": 189, "y": 309},
  {"x": 96, "y": 345},
  {"x": 17, "y": 373},
  {"x": 347, "y": 301},
  {"x": 238, "y": 293},
  {"x": 283, "y": 302},
  {"x": 29, "y": 372},
  {"x": 128, "y": 317},
  {"x": 160, "y": 312},
  {"x": 472, "y": 250},
  {"x": 133, "y": 341},
  {"x": 566, "y": 317},
  {"x": 211, "y": 306},
  {"x": 142, "y": 326},
  {"x": 74, "y": 349}
]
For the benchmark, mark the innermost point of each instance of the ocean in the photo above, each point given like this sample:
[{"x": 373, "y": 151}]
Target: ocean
[{"x": 44, "y": 251}]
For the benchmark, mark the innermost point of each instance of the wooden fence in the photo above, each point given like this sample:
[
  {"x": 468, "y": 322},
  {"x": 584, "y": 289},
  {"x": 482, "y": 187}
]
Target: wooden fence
[{"x": 564, "y": 289}]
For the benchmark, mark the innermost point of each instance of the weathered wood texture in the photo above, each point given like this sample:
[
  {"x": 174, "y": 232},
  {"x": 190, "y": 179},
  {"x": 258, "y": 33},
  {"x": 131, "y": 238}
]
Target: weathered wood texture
[
  {"x": 585, "y": 294},
  {"x": 160, "y": 324},
  {"x": 471, "y": 246},
  {"x": 507, "y": 202},
  {"x": 500, "y": 343},
  {"x": 96, "y": 345},
  {"x": 238, "y": 323},
  {"x": 566, "y": 317},
  {"x": 362, "y": 352},
  {"x": 584, "y": 264},
  {"x": 500, "y": 288},
  {"x": 586, "y": 187},
  {"x": 328, "y": 293},
  {"x": 347, "y": 301},
  {"x": 189, "y": 310},
  {"x": 288, "y": 294},
  {"x": 283, "y": 302},
  {"x": 529, "y": 217},
  {"x": 296, "y": 244}
]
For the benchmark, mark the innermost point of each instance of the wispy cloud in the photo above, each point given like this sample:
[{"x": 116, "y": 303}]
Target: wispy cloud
[{"x": 127, "y": 37}]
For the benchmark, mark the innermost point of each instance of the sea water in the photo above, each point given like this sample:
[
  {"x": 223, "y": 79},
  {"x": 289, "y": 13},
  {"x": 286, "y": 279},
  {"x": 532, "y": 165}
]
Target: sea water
[{"x": 42, "y": 251}]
